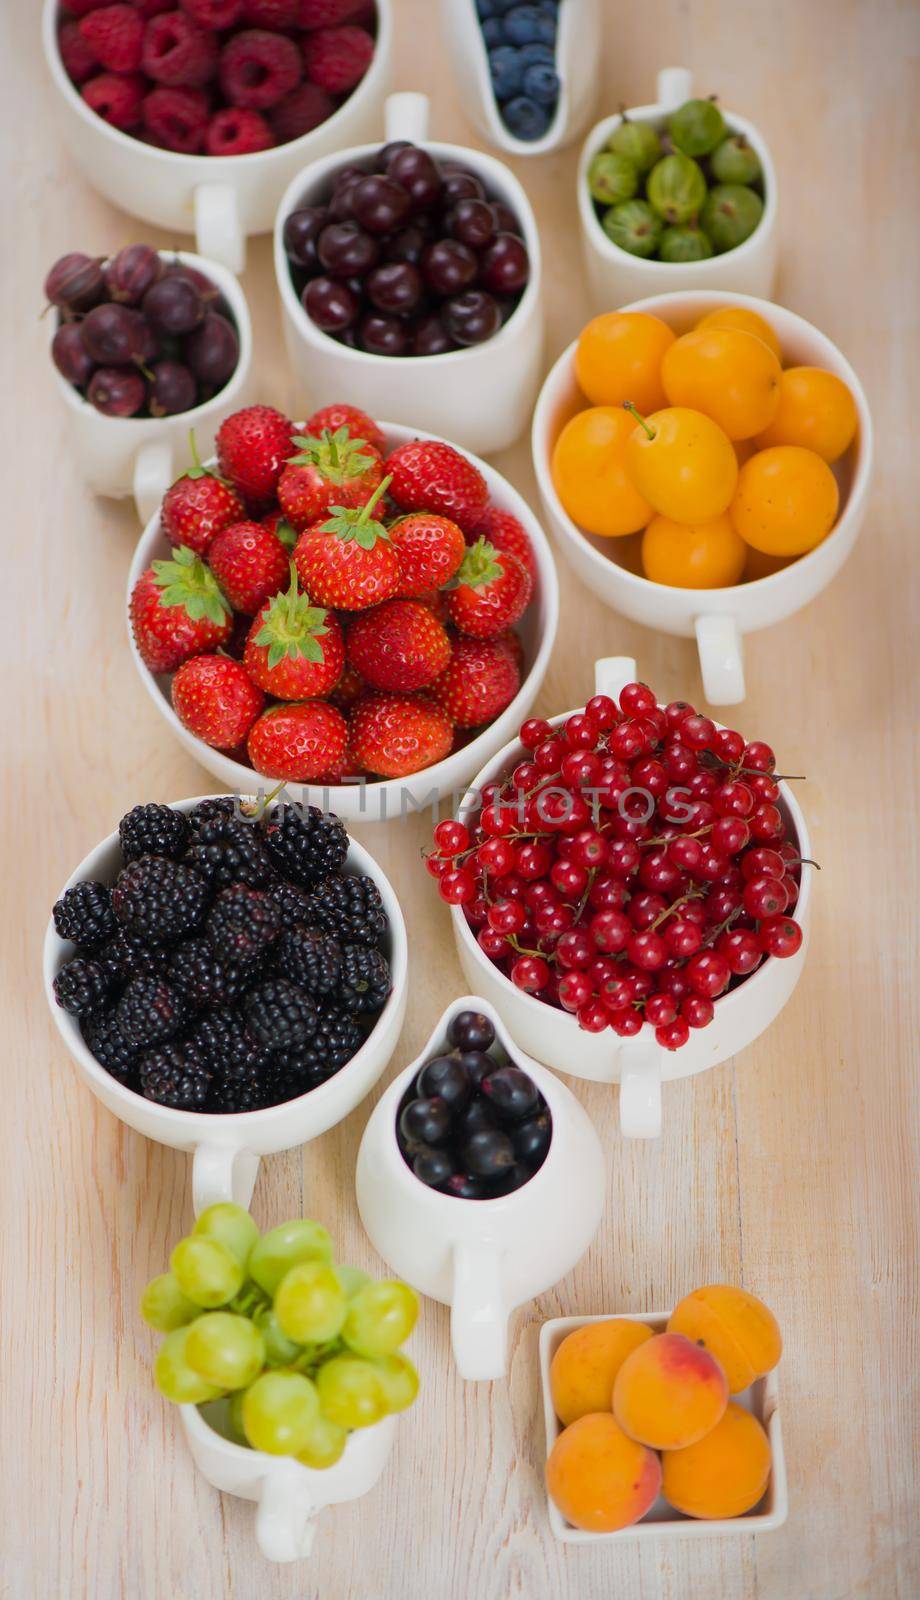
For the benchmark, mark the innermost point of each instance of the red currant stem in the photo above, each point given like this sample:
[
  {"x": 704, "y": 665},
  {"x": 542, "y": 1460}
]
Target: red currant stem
[
  {"x": 628, "y": 406},
  {"x": 721, "y": 927},
  {"x": 803, "y": 861},
  {"x": 647, "y": 844},
  {"x": 592, "y": 874},
  {"x": 692, "y": 894},
  {"x": 523, "y": 950}
]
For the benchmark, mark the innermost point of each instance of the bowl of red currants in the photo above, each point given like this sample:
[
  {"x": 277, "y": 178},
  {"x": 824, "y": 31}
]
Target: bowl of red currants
[
  {"x": 414, "y": 264},
  {"x": 630, "y": 887}
]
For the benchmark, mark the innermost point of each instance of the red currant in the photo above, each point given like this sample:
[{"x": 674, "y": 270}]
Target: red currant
[
  {"x": 696, "y": 1009},
  {"x": 525, "y": 776},
  {"x": 530, "y": 973},
  {"x": 792, "y": 891},
  {"x": 532, "y": 859},
  {"x": 506, "y": 916},
  {"x": 729, "y": 835},
  {"x": 650, "y": 774},
  {"x": 608, "y": 893},
  {"x": 680, "y": 763},
  {"x": 627, "y": 1023},
  {"x": 636, "y": 699},
  {"x": 779, "y": 936},
  {"x": 611, "y": 931},
  {"x": 581, "y": 768},
  {"x": 553, "y": 920},
  {"x": 708, "y": 973},
  {"x": 616, "y": 993},
  {"x": 658, "y": 872},
  {"x": 762, "y": 863},
  {"x": 764, "y": 897},
  {"x": 602, "y": 711},
  {"x": 728, "y": 745},
  {"x": 660, "y": 1009},
  {"x": 436, "y": 865},
  {"x": 758, "y": 756},
  {"x": 674, "y": 1035},
  {"x": 533, "y": 732},
  {"x": 644, "y": 909},
  {"x": 548, "y": 755},
  {"x": 451, "y": 837},
  {"x": 575, "y": 949},
  {"x": 575, "y": 990},
  {"x": 580, "y": 732},
  {"x": 682, "y": 937},
  {"x": 697, "y": 731},
  {"x": 623, "y": 857},
  {"x": 685, "y": 853},
  {"x": 766, "y": 822},
  {"x": 456, "y": 886},
  {"x": 593, "y": 1017},
  {"x": 741, "y": 949},
  {"x": 763, "y": 787},
  {"x": 647, "y": 950},
  {"x": 493, "y": 944},
  {"x": 626, "y": 741},
  {"x": 674, "y": 981},
  {"x": 675, "y": 713},
  {"x": 721, "y": 902},
  {"x": 569, "y": 878},
  {"x": 589, "y": 848},
  {"x": 734, "y": 799},
  {"x": 496, "y": 855}
]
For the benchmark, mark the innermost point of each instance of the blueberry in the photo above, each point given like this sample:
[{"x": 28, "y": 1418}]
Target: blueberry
[
  {"x": 493, "y": 31},
  {"x": 541, "y": 83},
  {"x": 538, "y": 52},
  {"x": 525, "y": 119},
  {"x": 505, "y": 68},
  {"x": 530, "y": 25}
]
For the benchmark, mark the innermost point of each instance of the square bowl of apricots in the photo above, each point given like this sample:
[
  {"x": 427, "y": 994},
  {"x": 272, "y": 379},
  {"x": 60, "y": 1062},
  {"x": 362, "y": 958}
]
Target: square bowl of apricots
[{"x": 665, "y": 1426}]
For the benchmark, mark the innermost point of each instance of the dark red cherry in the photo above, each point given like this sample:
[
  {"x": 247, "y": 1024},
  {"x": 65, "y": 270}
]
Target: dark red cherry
[
  {"x": 332, "y": 306},
  {"x": 395, "y": 287},
  {"x": 505, "y": 267},
  {"x": 472, "y": 222},
  {"x": 448, "y": 266},
  {"x": 382, "y": 336},
  {"x": 471, "y": 318},
  {"x": 379, "y": 204},
  {"x": 346, "y": 250}
]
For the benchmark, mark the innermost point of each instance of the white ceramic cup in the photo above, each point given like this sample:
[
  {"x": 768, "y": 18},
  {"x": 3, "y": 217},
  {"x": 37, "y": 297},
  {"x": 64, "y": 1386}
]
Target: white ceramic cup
[
  {"x": 141, "y": 456},
  {"x": 716, "y": 618},
  {"x": 391, "y": 798},
  {"x": 220, "y": 199},
  {"x": 615, "y": 276},
  {"x": 289, "y": 1496},
  {"x": 226, "y": 1149},
  {"x": 480, "y": 398},
  {"x": 578, "y": 60},
  {"x": 482, "y": 1257},
  {"x": 639, "y": 1064}
]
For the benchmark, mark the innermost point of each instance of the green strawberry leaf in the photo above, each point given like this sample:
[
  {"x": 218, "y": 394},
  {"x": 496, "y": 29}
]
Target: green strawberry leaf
[
  {"x": 185, "y": 581},
  {"x": 336, "y": 455},
  {"x": 196, "y": 470},
  {"x": 359, "y": 524},
  {"x": 286, "y": 533},
  {"x": 292, "y": 627},
  {"x": 480, "y": 565}
]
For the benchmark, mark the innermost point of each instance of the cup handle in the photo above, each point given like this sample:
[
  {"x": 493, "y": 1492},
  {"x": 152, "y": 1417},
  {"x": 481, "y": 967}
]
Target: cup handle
[
  {"x": 478, "y": 1317},
  {"x": 220, "y": 1172},
  {"x": 405, "y": 116},
  {"x": 153, "y": 474},
  {"x": 218, "y": 230},
  {"x": 612, "y": 673},
  {"x": 285, "y": 1519},
  {"x": 721, "y": 659},
  {"x": 640, "y": 1088},
  {"x": 673, "y": 86}
]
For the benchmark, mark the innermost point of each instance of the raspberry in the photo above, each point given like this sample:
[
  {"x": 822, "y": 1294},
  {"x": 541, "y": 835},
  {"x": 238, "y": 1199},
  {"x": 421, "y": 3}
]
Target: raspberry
[
  {"x": 337, "y": 58},
  {"x": 280, "y": 1014},
  {"x": 78, "y": 57},
  {"x": 235, "y": 132},
  {"x": 177, "y": 118},
  {"x": 117, "y": 100},
  {"x": 258, "y": 68},
  {"x": 305, "y": 843},
  {"x": 150, "y": 1011},
  {"x": 300, "y": 112},
  {"x": 177, "y": 53},
  {"x": 274, "y": 14},
  {"x": 213, "y": 14},
  {"x": 84, "y": 914},
  {"x": 115, "y": 34},
  {"x": 329, "y": 13},
  {"x": 152, "y": 830},
  {"x": 82, "y": 8},
  {"x": 82, "y": 986},
  {"x": 152, "y": 8},
  {"x": 175, "y": 1076}
]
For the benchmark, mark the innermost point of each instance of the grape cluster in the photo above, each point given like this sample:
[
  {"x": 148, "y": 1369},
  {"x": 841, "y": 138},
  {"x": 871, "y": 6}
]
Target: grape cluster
[
  {"x": 303, "y": 1351},
  {"x": 632, "y": 866}
]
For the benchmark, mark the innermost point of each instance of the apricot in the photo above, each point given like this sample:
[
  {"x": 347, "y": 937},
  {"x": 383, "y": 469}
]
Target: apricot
[
  {"x": 618, "y": 357},
  {"x": 587, "y": 1361},
  {"x": 589, "y": 472},
  {"x": 669, "y": 1392},
  {"x": 816, "y": 410},
  {"x": 722, "y": 1475},
  {"x": 735, "y": 1327},
  {"x": 757, "y": 565},
  {"x": 682, "y": 463},
  {"x": 730, "y": 375},
  {"x": 600, "y": 1479},
  {"x": 785, "y": 501},
  {"x": 747, "y": 321},
  {"x": 709, "y": 555}
]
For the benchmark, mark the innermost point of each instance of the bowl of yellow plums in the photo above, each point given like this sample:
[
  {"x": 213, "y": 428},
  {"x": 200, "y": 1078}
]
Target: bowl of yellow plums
[{"x": 704, "y": 462}]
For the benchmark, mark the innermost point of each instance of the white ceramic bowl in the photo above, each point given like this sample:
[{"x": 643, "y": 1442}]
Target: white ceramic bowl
[
  {"x": 226, "y": 1149},
  {"x": 392, "y": 797},
  {"x": 717, "y": 618},
  {"x": 141, "y": 456},
  {"x": 639, "y": 1064},
  {"x": 481, "y": 398},
  {"x": 482, "y": 1257},
  {"x": 290, "y": 1496},
  {"x": 220, "y": 199},
  {"x": 615, "y": 276},
  {"x": 578, "y": 59},
  {"x": 662, "y": 1521}
]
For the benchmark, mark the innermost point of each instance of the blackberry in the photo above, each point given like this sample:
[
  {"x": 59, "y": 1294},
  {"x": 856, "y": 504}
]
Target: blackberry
[
  {"x": 204, "y": 978},
  {"x": 280, "y": 1014},
  {"x": 292, "y": 901},
  {"x": 84, "y": 914},
  {"x": 351, "y": 908},
  {"x": 225, "y": 850},
  {"x": 159, "y": 900},
  {"x": 310, "y": 958},
  {"x": 218, "y": 805},
  {"x": 306, "y": 844},
  {"x": 335, "y": 1040},
  {"x": 153, "y": 830},
  {"x": 127, "y": 956},
  {"x": 244, "y": 1086},
  {"x": 82, "y": 986},
  {"x": 176, "y": 1076},
  {"x": 365, "y": 980},
  {"x": 149, "y": 1011},
  {"x": 243, "y": 922},
  {"x": 108, "y": 1044},
  {"x": 221, "y": 1037}
]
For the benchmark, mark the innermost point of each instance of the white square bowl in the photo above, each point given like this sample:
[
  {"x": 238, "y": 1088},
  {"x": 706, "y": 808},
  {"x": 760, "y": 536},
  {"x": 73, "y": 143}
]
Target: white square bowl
[{"x": 662, "y": 1521}]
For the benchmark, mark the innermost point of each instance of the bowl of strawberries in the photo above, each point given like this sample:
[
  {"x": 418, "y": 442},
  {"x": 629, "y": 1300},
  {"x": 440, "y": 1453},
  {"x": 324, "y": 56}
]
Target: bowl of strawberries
[{"x": 345, "y": 607}]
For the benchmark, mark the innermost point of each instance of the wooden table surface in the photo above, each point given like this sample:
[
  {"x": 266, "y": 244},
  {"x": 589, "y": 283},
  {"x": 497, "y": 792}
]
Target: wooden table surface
[{"x": 788, "y": 1170}]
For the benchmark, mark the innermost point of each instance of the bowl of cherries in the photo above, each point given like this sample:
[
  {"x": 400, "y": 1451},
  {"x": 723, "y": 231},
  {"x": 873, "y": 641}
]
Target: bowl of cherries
[
  {"x": 630, "y": 888},
  {"x": 410, "y": 261}
]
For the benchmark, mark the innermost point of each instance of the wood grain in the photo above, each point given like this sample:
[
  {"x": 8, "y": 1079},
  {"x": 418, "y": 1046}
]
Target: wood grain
[{"x": 791, "y": 1170}]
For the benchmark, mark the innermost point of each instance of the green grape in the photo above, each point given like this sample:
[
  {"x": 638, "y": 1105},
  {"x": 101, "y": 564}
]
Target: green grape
[
  {"x": 279, "y": 1412},
  {"x": 696, "y": 127},
  {"x": 206, "y": 1271},
  {"x": 230, "y": 1224},
  {"x": 352, "y": 1279},
  {"x": 634, "y": 227},
  {"x": 225, "y": 1349},
  {"x": 399, "y": 1379},
  {"x": 351, "y": 1392},
  {"x": 285, "y": 1247},
  {"x": 310, "y": 1303},
  {"x": 176, "y": 1378},
  {"x": 380, "y": 1317},
  {"x": 730, "y": 215},
  {"x": 164, "y": 1305},
  {"x": 325, "y": 1444},
  {"x": 638, "y": 142},
  {"x": 684, "y": 244},
  {"x": 733, "y": 161},
  {"x": 234, "y": 1423},
  {"x": 280, "y": 1351},
  {"x": 676, "y": 188},
  {"x": 612, "y": 178}
]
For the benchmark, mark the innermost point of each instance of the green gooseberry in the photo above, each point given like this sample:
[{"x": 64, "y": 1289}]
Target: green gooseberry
[
  {"x": 696, "y": 127},
  {"x": 612, "y": 178},
  {"x": 684, "y": 244},
  {"x": 733, "y": 161},
  {"x": 637, "y": 141},
  {"x": 730, "y": 215},
  {"x": 676, "y": 188},
  {"x": 633, "y": 226}
]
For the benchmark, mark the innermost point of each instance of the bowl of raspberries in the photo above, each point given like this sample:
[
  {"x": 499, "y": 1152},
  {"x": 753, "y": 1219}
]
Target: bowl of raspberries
[
  {"x": 229, "y": 977},
  {"x": 354, "y": 610},
  {"x": 196, "y": 114}
]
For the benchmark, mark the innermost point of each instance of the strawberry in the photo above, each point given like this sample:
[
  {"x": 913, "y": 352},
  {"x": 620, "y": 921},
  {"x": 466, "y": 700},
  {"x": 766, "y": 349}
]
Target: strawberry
[
  {"x": 215, "y": 698},
  {"x": 348, "y": 562},
  {"x": 252, "y": 448},
  {"x": 250, "y": 564},
  {"x": 505, "y": 532},
  {"x": 277, "y": 523},
  {"x": 399, "y": 645},
  {"x": 513, "y": 641},
  {"x": 429, "y": 475},
  {"x": 436, "y": 601},
  {"x": 429, "y": 550},
  {"x": 480, "y": 680},
  {"x": 489, "y": 593},
  {"x": 178, "y": 611},
  {"x": 198, "y": 506},
  {"x": 356, "y": 422},
  {"x": 294, "y": 650},
  {"x": 393, "y": 735},
  {"x": 348, "y": 689},
  {"x": 332, "y": 469},
  {"x": 300, "y": 743}
]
